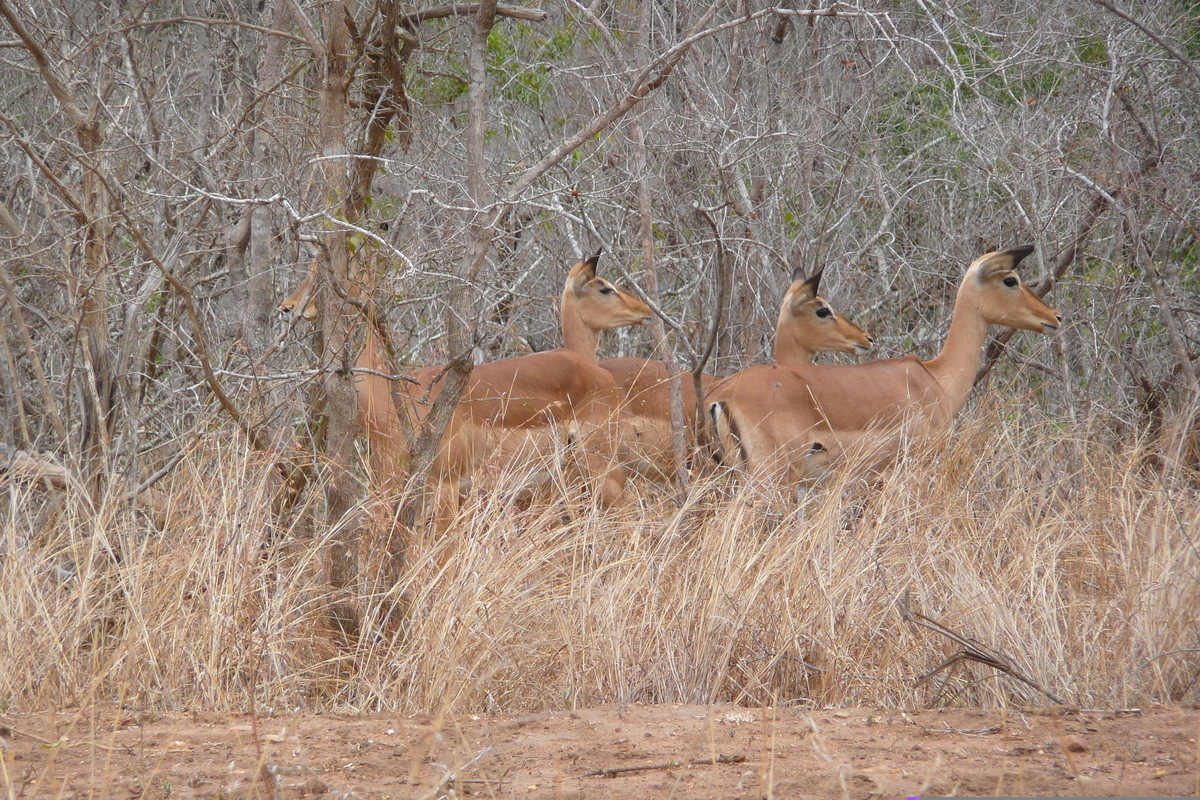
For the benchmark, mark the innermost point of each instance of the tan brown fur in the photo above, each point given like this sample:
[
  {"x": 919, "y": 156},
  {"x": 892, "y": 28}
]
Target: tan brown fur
[
  {"x": 865, "y": 410},
  {"x": 807, "y": 325},
  {"x": 530, "y": 403}
]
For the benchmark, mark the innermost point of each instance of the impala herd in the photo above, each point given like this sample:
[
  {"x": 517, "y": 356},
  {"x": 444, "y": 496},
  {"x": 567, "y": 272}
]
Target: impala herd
[{"x": 784, "y": 424}]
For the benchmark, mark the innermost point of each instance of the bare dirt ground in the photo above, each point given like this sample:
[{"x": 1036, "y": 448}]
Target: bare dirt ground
[{"x": 610, "y": 752}]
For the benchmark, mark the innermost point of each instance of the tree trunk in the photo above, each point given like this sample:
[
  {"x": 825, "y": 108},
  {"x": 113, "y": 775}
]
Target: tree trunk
[
  {"x": 479, "y": 241},
  {"x": 339, "y": 321}
]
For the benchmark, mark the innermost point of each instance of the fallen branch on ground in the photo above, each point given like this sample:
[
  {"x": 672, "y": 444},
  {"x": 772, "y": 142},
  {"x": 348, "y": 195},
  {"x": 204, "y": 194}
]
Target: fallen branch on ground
[
  {"x": 972, "y": 651},
  {"x": 695, "y": 762}
]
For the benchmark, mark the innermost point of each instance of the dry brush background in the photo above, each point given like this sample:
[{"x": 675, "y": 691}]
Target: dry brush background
[{"x": 170, "y": 170}]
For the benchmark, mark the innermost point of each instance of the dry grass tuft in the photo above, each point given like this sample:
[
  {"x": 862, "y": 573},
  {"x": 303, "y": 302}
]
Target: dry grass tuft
[{"x": 1071, "y": 554}]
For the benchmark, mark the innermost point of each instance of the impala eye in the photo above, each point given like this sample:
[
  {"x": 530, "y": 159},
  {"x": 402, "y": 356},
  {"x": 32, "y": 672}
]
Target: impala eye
[
  {"x": 1011, "y": 281},
  {"x": 824, "y": 312},
  {"x": 607, "y": 290}
]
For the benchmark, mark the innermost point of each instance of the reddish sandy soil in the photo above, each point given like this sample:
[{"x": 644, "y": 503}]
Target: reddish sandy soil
[{"x": 610, "y": 752}]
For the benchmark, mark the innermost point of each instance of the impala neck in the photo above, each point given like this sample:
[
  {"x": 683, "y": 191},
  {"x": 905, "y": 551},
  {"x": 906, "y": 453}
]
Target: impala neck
[
  {"x": 954, "y": 368},
  {"x": 371, "y": 355},
  {"x": 789, "y": 351},
  {"x": 578, "y": 337}
]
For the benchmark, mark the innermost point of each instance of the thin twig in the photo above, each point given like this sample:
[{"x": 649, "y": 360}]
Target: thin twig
[
  {"x": 701, "y": 362},
  {"x": 695, "y": 762},
  {"x": 1160, "y": 41},
  {"x": 9, "y": 727},
  {"x": 1067, "y": 255},
  {"x": 57, "y": 742},
  {"x": 451, "y": 776},
  {"x": 469, "y": 9}
]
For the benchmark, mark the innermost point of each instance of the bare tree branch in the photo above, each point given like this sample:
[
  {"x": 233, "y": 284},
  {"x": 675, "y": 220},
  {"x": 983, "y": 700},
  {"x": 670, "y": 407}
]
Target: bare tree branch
[
  {"x": 1160, "y": 41},
  {"x": 472, "y": 9}
]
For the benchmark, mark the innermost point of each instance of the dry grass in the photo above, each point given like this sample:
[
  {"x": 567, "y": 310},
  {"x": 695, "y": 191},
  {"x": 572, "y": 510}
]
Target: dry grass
[{"x": 1050, "y": 544}]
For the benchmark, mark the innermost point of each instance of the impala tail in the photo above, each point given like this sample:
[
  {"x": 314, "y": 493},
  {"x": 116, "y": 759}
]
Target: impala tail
[{"x": 728, "y": 446}]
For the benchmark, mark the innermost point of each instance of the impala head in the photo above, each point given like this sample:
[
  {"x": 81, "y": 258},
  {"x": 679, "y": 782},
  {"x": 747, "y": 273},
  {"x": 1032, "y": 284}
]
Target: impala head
[
  {"x": 808, "y": 324},
  {"x": 302, "y": 300},
  {"x": 1002, "y": 297},
  {"x": 596, "y": 303}
]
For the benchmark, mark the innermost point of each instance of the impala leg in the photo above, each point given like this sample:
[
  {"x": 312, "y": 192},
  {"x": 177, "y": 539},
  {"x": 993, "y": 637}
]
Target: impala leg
[
  {"x": 524, "y": 459},
  {"x": 445, "y": 505},
  {"x": 610, "y": 487},
  {"x": 816, "y": 461},
  {"x": 596, "y": 455}
]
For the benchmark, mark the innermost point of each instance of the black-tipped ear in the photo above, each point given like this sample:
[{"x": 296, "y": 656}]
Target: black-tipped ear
[
  {"x": 802, "y": 291},
  {"x": 1002, "y": 261},
  {"x": 814, "y": 283},
  {"x": 582, "y": 274},
  {"x": 593, "y": 261},
  {"x": 1017, "y": 254}
]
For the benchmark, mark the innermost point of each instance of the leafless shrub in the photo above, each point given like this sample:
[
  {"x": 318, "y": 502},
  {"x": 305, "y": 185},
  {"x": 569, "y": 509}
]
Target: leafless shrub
[{"x": 166, "y": 177}]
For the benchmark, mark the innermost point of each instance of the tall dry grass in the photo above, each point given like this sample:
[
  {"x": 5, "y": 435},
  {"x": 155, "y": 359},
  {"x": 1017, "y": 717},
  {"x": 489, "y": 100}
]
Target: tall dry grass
[{"x": 1055, "y": 544}]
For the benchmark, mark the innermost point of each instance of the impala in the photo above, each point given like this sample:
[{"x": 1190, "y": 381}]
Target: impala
[
  {"x": 515, "y": 404},
  {"x": 807, "y": 325},
  {"x": 788, "y": 424}
]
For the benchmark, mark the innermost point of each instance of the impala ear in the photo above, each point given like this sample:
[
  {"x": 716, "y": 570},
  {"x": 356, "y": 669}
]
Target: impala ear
[
  {"x": 813, "y": 284},
  {"x": 807, "y": 291},
  {"x": 1018, "y": 254},
  {"x": 798, "y": 273},
  {"x": 1002, "y": 261},
  {"x": 583, "y": 273},
  {"x": 591, "y": 263}
]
